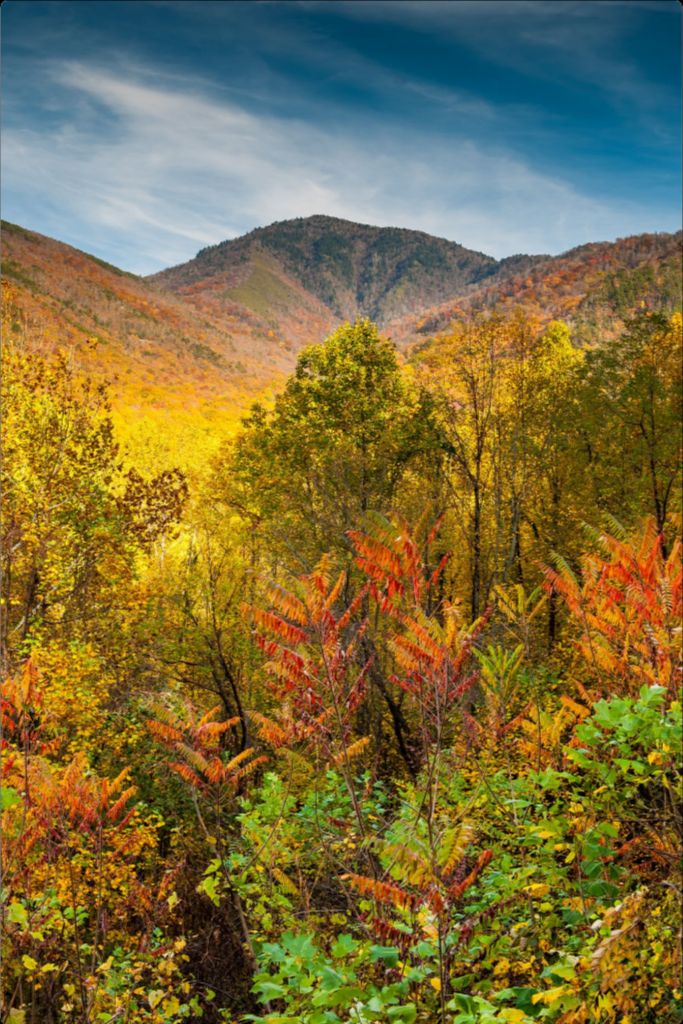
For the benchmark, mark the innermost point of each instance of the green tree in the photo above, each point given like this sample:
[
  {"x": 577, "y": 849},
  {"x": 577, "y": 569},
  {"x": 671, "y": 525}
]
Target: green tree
[
  {"x": 340, "y": 441},
  {"x": 554, "y": 506},
  {"x": 634, "y": 400}
]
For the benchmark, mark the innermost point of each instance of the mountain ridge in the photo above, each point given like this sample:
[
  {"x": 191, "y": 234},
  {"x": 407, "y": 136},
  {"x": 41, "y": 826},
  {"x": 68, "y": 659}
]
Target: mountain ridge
[
  {"x": 353, "y": 269},
  {"x": 586, "y": 286},
  {"x": 407, "y": 281},
  {"x": 189, "y": 350},
  {"x": 208, "y": 337}
]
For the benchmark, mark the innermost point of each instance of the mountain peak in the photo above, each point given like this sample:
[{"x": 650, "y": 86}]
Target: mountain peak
[{"x": 352, "y": 269}]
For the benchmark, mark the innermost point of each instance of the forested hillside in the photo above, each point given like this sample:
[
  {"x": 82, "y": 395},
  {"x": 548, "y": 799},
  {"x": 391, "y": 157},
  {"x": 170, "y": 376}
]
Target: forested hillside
[
  {"x": 368, "y": 708},
  {"x": 592, "y": 286},
  {"x": 353, "y": 269},
  {"x": 174, "y": 371}
]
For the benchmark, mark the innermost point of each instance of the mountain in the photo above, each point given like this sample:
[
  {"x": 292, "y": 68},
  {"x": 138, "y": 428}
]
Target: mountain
[
  {"x": 593, "y": 287},
  {"x": 191, "y": 347},
  {"x": 161, "y": 352},
  {"x": 302, "y": 276},
  {"x": 345, "y": 270}
]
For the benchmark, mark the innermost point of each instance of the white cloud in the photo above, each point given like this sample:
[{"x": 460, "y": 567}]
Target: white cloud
[{"x": 145, "y": 172}]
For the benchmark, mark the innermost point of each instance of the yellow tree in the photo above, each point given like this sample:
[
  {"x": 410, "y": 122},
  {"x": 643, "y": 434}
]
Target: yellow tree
[
  {"x": 74, "y": 526},
  {"x": 465, "y": 372}
]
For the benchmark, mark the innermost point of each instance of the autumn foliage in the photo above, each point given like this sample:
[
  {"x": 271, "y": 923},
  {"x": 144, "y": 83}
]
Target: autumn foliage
[
  {"x": 629, "y": 602},
  {"x": 374, "y": 714}
]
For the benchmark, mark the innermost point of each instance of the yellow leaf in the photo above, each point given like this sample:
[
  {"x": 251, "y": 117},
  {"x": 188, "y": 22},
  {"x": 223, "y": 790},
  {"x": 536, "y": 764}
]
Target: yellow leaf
[
  {"x": 537, "y": 889},
  {"x": 553, "y": 995}
]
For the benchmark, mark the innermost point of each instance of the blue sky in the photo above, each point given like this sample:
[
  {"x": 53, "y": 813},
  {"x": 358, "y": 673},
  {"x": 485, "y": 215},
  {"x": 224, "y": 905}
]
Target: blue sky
[{"x": 142, "y": 131}]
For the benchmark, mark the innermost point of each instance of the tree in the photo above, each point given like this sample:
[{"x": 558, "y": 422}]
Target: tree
[
  {"x": 194, "y": 634},
  {"x": 76, "y": 529},
  {"x": 553, "y": 509},
  {"x": 633, "y": 413},
  {"x": 339, "y": 442},
  {"x": 73, "y": 519},
  {"x": 465, "y": 373}
]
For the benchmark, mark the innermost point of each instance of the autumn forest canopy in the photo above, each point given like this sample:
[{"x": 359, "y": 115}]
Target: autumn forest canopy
[{"x": 342, "y": 679}]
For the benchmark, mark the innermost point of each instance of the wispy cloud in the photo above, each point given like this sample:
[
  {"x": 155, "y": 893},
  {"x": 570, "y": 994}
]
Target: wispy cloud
[
  {"x": 147, "y": 170},
  {"x": 585, "y": 40}
]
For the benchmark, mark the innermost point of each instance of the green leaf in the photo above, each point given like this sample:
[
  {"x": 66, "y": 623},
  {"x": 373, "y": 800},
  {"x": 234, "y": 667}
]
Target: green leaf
[
  {"x": 16, "y": 914},
  {"x": 387, "y": 954},
  {"x": 209, "y": 885},
  {"x": 344, "y": 945},
  {"x": 8, "y": 798},
  {"x": 563, "y": 971},
  {"x": 267, "y": 990},
  {"x": 407, "y": 1013}
]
